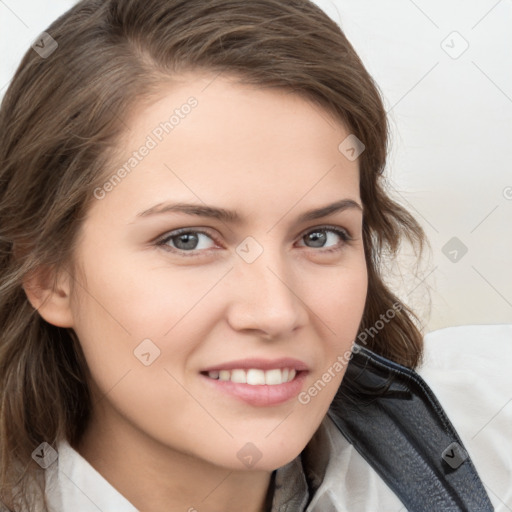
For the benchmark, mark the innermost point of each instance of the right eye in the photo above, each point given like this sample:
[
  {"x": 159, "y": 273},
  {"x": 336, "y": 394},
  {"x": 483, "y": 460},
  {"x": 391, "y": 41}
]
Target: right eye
[{"x": 186, "y": 241}]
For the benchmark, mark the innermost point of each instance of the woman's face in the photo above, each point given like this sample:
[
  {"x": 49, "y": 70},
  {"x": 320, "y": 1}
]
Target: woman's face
[{"x": 219, "y": 256}]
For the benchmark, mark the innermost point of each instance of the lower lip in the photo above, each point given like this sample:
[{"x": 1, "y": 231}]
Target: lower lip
[{"x": 261, "y": 395}]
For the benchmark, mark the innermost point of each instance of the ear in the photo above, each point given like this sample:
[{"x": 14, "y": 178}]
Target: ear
[{"x": 50, "y": 295}]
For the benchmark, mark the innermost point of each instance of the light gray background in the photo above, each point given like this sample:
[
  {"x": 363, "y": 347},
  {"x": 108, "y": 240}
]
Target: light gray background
[{"x": 451, "y": 118}]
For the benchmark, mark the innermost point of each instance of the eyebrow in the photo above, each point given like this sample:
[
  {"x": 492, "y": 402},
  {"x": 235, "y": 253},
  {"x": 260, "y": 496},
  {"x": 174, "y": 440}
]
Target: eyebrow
[
  {"x": 233, "y": 217},
  {"x": 338, "y": 206}
]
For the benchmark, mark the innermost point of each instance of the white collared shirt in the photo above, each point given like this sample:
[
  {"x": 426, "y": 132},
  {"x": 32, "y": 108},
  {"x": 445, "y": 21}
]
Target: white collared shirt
[{"x": 469, "y": 368}]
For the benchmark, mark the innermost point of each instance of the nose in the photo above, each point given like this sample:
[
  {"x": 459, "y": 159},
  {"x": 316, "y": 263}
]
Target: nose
[{"x": 266, "y": 298}]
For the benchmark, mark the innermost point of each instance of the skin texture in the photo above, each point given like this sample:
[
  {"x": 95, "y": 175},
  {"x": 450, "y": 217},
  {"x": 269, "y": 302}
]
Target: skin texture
[{"x": 161, "y": 434}]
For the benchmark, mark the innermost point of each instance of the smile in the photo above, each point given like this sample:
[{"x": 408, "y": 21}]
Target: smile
[
  {"x": 255, "y": 376},
  {"x": 258, "y": 382}
]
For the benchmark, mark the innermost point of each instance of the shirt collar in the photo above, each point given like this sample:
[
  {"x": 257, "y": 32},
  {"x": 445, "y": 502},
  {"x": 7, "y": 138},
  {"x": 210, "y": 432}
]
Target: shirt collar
[
  {"x": 73, "y": 484},
  {"x": 305, "y": 484}
]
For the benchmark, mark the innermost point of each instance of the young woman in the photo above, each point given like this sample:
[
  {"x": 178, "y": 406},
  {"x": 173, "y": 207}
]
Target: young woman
[{"x": 193, "y": 311}]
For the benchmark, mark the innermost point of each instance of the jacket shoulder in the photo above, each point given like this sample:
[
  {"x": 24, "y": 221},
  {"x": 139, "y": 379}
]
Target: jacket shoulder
[
  {"x": 469, "y": 370},
  {"x": 394, "y": 419}
]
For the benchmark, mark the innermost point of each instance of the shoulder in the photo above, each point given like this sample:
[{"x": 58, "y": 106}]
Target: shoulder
[{"x": 469, "y": 368}]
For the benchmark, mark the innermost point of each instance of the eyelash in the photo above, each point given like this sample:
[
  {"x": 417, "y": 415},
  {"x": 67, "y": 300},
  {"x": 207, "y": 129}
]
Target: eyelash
[{"x": 162, "y": 242}]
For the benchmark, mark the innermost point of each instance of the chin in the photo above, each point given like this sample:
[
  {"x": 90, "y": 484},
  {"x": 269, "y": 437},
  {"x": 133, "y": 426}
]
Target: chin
[{"x": 263, "y": 455}]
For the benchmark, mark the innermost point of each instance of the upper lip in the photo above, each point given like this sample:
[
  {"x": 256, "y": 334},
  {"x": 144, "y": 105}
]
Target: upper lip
[{"x": 260, "y": 364}]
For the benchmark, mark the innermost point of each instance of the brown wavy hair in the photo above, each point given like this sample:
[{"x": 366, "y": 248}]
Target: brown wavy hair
[{"x": 60, "y": 121}]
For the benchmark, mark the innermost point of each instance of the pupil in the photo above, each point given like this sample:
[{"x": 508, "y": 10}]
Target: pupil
[
  {"x": 317, "y": 239},
  {"x": 187, "y": 241}
]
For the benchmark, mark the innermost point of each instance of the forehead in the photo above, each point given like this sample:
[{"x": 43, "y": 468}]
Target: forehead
[{"x": 209, "y": 138}]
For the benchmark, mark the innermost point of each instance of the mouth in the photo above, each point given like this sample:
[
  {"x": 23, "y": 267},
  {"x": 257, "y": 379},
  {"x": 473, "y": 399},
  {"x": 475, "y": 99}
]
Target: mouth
[{"x": 260, "y": 383}]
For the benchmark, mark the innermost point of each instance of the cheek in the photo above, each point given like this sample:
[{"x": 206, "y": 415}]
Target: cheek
[
  {"x": 338, "y": 306},
  {"x": 337, "y": 296},
  {"x": 344, "y": 300},
  {"x": 131, "y": 298},
  {"x": 126, "y": 317}
]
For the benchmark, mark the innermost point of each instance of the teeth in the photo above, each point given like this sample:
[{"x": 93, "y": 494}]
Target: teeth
[
  {"x": 239, "y": 376},
  {"x": 254, "y": 376},
  {"x": 223, "y": 375},
  {"x": 273, "y": 377}
]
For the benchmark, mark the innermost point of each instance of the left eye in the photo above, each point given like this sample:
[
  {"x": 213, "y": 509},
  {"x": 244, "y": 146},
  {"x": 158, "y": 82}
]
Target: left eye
[
  {"x": 324, "y": 237},
  {"x": 188, "y": 241}
]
